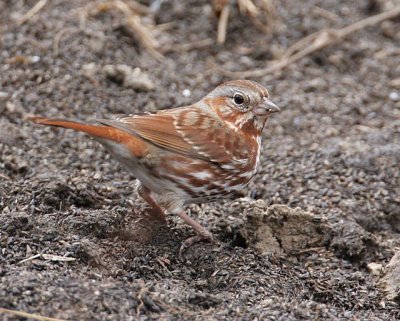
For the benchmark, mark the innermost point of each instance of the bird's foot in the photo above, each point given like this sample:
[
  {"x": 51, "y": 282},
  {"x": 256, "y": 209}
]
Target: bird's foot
[{"x": 204, "y": 237}]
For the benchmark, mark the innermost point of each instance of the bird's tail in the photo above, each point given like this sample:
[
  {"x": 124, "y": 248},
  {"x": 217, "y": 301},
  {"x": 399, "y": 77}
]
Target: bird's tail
[
  {"x": 105, "y": 132},
  {"x": 100, "y": 132}
]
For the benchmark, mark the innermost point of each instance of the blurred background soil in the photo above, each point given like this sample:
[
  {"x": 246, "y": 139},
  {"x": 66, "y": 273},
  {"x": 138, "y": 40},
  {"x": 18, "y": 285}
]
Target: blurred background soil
[{"x": 298, "y": 245}]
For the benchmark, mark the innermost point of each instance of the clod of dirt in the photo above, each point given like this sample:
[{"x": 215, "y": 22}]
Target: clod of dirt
[
  {"x": 375, "y": 268},
  {"x": 390, "y": 282},
  {"x": 128, "y": 77},
  {"x": 281, "y": 230},
  {"x": 352, "y": 242}
]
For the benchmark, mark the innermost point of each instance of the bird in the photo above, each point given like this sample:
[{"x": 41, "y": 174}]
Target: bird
[{"x": 194, "y": 154}]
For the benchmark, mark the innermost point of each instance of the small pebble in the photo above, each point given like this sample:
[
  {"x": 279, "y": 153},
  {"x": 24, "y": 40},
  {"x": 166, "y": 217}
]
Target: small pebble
[
  {"x": 128, "y": 77},
  {"x": 89, "y": 70},
  {"x": 394, "y": 95},
  {"x": 375, "y": 268},
  {"x": 34, "y": 59},
  {"x": 186, "y": 93}
]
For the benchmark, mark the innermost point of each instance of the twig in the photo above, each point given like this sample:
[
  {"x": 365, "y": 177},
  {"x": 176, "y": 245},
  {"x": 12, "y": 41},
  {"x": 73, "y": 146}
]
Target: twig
[
  {"x": 142, "y": 291},
  {"x": 59, "y": 35},
  {"x": 382, "y": 54},
  {"x": 30, "y": 258},
  {"x": 82, "y": 19},
  {"x": 311, "y": 249},
  {"x": 34, "y": 10},
  {"x": 189, "y": 46},
  {"x": 48, "y": 257},
  {"x": 273, "y": 19},
  {"x": 144, "y": 35},
  {"x": 313, "y": 43},
  {"x": 28, "y": 315},
  {"x": 370, "y": 21},
  {"x": 301, "y": 44},
  {"x": 139, "y": 8},
  {"x": 4, "y": 176},
  {"x": 132, "y": 12},
  {"x": 248, "y": 7},
  {"x": 164, "y": 26},
  {"x": 57, "y": 258},
  {"x": 326, "y": 14},
  {"x": 223, "y": 23}
]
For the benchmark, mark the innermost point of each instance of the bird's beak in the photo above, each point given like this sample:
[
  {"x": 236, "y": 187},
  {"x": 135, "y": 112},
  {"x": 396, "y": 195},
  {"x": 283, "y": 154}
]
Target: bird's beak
[{"x": 266, "y": 107}]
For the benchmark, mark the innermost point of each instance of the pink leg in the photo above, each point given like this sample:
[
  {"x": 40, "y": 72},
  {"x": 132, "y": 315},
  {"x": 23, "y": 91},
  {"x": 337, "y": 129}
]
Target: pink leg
[{"x": 159, "y": 213}]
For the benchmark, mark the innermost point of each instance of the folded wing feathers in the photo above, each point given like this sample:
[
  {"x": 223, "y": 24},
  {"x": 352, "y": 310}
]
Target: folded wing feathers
[
  {"x": 160, "y": 130},
  {"x": 166, "y": 130}
]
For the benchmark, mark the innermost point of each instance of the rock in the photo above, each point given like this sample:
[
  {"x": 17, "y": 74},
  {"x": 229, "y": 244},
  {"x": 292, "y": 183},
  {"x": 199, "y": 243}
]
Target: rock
[
  {"x": 390, "y": 282},
  {"x": 395, "y": 83},
  {"x": 90, "y": 70},
  {"x": 375, "y": 268},
  {"x": 97, "y": 41},
  {"x": 280, "y": 230},
  {"x": 394, "y": 96},
  {"x": 128, "y": 77}
]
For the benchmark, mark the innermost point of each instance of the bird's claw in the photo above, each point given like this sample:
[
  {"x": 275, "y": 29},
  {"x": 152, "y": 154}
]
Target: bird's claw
[{"x": 207, "y": 237}]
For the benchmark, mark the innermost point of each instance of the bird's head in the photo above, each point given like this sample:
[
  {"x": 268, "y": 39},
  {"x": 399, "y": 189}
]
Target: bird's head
[{"x": 243, "y": 104}]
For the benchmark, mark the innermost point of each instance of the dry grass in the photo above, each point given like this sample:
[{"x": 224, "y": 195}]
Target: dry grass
[
  {"x": 27, "y": 315},
  {"x": 313, "y": 43},
  {"x": 262, "y": 13},
  {"x": 133, "y": 14},
  {"x": 33, "y": 11}
]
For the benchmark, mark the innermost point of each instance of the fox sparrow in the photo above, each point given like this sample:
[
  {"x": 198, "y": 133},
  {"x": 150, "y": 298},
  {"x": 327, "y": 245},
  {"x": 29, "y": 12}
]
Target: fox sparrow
[{"x": 194, "y": 154}]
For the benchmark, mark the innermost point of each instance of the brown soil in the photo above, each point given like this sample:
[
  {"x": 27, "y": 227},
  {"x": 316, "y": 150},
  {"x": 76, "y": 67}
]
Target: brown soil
[{"x": 333, "y": 151}]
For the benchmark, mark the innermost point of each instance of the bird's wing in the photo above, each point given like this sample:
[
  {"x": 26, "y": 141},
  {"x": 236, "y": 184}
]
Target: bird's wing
[
  {"x": 210, "y": 137},
  {"x": 188, "y": 131}
]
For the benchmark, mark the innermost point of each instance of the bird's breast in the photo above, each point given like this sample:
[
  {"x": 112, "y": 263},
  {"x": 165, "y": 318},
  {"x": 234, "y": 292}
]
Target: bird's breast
[{"x": 202, "y": 181}]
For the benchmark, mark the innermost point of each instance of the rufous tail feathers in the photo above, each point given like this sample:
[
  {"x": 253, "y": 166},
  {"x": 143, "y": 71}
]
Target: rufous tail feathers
[
  {"x": 136, "y": 145},
  {"x": 95, "y": 131}
]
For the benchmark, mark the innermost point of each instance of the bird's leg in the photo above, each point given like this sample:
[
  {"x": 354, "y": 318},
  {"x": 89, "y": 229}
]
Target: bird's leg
[
  {"x": 158, "y": 212},
  {"x": 202, "y": 233}
]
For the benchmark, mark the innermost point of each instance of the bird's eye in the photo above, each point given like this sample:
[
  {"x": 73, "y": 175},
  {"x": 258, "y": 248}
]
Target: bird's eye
[{"x": 238, "y": 99}]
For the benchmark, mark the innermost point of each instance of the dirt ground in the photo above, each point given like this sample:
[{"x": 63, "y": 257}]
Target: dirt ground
[{"x": 333, "y": 153}]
